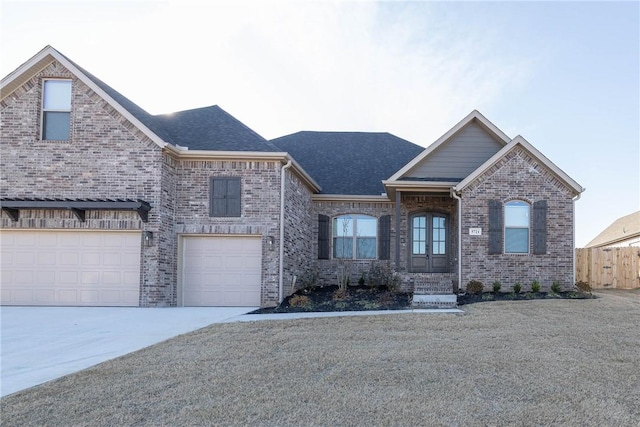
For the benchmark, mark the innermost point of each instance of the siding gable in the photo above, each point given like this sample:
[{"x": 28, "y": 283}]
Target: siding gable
[{"x": 457, "y": 158}]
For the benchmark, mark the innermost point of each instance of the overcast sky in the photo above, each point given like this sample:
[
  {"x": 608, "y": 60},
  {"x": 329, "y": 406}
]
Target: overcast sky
[{"x": 564, "y": 75}]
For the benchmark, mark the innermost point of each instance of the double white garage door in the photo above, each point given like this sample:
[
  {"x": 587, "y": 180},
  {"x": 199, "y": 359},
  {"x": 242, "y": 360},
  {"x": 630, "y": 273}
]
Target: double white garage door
[
  {"x": 98, "y": 268},
  {"x": 70, "y": 268}
]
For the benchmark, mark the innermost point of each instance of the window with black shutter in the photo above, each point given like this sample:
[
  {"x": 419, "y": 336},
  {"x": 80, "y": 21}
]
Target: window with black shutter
[{"x": 224, "y": 197}]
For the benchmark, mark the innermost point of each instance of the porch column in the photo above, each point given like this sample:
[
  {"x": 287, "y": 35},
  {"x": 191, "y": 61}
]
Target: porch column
[{"x": 398, "y": 213}]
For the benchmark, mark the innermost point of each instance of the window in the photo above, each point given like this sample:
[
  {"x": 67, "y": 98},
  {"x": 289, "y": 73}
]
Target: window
[
  {"x": 354, "y": 237},
  {"x": 56, "y": 110},
  {"x": 224, "y": 197},
  {"x": 516, "y": 227}
]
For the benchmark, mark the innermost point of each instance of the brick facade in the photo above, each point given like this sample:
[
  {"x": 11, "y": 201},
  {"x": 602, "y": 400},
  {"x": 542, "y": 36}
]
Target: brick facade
[
  {"x": 518, "y": 176},
  {"x": 260, "y": 208}
]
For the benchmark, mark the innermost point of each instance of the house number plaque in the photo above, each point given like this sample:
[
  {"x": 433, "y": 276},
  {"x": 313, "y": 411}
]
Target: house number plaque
[{"x": 475, "y": 231}]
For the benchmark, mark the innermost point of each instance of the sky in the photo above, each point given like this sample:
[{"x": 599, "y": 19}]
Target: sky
[{"x": 564, "y": 75}]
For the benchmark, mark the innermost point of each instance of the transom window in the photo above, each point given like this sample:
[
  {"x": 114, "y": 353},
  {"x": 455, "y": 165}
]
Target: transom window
[
  {"x": 56, "y": 110},
  {"x": 354, "y": 237},
  {"x": 516, "y": 227}
]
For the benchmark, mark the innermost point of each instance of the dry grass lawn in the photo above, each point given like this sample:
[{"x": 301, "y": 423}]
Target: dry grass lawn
[{"x": 561, "y": 362}]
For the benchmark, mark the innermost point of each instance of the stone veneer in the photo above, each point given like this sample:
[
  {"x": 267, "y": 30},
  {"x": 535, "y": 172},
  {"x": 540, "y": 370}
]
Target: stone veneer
[{"x": 518, "y": 176}]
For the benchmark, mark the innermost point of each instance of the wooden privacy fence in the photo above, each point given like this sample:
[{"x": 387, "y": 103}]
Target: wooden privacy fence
[{"x": 609, "y": 267}]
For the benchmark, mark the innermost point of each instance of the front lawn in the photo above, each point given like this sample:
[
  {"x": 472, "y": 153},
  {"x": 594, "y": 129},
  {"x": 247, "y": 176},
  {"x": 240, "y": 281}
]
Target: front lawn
[{"x": 547, "y": 362}]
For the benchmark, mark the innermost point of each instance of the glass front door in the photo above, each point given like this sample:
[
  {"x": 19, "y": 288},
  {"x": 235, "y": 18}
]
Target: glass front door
[{"x": 429, "y": 243}]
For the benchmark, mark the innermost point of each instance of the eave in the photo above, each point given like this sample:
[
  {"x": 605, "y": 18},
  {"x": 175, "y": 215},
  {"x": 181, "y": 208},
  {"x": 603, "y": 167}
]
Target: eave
[
  {"x": 350, "y": 198},
  {"x": 282, "y": 157},
  {"x": 431, "y": 187},
  {"x": 79, "y": 207}
]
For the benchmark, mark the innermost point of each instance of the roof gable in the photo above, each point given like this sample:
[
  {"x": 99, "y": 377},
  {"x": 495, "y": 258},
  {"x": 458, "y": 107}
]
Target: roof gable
[
  {"x": 537, "y": 155},
  {"x": 140, "y": 118},
  {"x": 208, "y": 128},
  {"x": 348, "y": 163},
  {"x": 457, "y": 153}
]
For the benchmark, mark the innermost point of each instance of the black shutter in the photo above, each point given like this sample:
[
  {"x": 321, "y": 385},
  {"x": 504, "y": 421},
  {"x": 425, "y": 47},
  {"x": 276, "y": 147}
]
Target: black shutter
[
  {"x": 323, "y": 237},
  {"x": 384, "y": 237},
  {"x": 495, "y": 227},
  {"x": 540, "y": 227},
  {"x": 224, "y": 197},
  {"x": 233, "y": 197}
]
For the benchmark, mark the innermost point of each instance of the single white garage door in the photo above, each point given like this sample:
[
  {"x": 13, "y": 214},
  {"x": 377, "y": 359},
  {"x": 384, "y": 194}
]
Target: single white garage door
[
  {"x": 70, "y": 268},
  {"x": 221, "y": 271}
]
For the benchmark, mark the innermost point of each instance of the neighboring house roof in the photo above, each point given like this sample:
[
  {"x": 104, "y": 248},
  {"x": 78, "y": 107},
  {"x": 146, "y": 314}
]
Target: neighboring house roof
[
  {"x": 622, "y": 229},
  {"x": 350, "y": 163},
  {"x": 520, "y": 141},
  {"x": 208, "y": 128}
]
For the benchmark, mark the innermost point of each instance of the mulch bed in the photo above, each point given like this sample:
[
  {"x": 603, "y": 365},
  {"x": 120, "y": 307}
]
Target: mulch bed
[{"x": 364, "y": 298}]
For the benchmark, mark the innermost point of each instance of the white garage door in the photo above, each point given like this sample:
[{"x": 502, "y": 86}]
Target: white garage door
[
  {"x": 70, "y": 268},
  {"x": 221, "y": 271}
]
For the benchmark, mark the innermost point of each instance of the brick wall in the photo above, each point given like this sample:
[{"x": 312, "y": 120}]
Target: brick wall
[
  {"x": 106, "y": 157},
  {"x": 260, "y": 208},
  {"x": 298, "y": 231},
  {"x": 518, "y": 176}
]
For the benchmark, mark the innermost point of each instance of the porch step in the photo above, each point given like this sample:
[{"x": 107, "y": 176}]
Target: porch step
[{"x": 434, "y": 301}]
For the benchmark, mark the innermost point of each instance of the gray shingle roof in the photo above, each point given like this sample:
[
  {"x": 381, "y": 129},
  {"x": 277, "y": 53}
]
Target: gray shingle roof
[
  {"x": 207, "y": 128},
  {"x": 352, "y": 163},
  {"x": 622, "y": 229}
]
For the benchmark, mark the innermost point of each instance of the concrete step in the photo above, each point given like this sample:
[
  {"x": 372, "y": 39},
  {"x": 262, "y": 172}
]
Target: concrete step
[{"x": 434, "y": 301}]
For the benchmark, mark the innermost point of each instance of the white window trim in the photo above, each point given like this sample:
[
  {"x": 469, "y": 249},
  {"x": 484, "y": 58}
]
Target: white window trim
[
  {"x": 504, "y": 228},
  {"x": 43, "y": 110},
  {"x": 354, "y": 237}
]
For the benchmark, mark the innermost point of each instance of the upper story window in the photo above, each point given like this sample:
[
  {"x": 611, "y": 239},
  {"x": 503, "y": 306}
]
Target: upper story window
[
  {"x": 354, "y": 237},
  {"x": 516, "y": 227},
  {"x": 56, "y": 110},
  {"x": 224, "y": 197}
]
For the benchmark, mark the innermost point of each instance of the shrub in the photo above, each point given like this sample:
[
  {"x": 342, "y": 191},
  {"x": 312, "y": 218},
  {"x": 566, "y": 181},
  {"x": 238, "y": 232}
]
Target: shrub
[
  {"x": 308, "y": 279},
  {"x": 299, "y": 301},
  {"x": 496, "y": 286},
  {"x": 535, "y": 286},
  {"x": 475, "y": 287},
  {"x": 583, "y": 287},
  {"x": 556, "y": 287},
  {"x": 517, "y": 288},
  {"x": 382, "y": 275},
  {"x": 361, "y": 280}
]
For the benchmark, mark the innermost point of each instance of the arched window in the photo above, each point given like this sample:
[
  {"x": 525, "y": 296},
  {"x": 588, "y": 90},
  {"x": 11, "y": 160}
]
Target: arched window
[
  {"x": 516, "y": 227},
  {"x": 354, "y": 237}
]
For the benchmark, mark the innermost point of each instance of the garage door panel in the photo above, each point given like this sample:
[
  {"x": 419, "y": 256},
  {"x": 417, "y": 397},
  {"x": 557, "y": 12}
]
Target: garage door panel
[
  {"x": 70, "y": 268},
  {"x": 221, "y": 271}
]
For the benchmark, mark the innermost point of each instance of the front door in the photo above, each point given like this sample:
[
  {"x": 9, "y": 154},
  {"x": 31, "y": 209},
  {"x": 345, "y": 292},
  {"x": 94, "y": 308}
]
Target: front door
[{"x": 429, "y": 247}]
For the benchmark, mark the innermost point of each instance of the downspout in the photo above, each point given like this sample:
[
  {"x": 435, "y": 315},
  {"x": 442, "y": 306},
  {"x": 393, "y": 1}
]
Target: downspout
[
  {"x": 459, "y": 199},
  {"x": 281, "y": 261},
  {"x": 573, "y": 273}
]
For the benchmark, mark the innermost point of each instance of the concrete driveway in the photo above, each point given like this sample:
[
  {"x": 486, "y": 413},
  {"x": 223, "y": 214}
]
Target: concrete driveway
[{"x": 43, "y": 343}]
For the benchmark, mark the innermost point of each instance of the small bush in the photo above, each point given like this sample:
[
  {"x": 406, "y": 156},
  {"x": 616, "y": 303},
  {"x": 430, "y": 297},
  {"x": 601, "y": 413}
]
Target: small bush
[
  {"x": 299, "y": 301},
  {"x": 517, "y": 288},
  {"x": 475, "y": 287},
  {"x": 382, "y": 275},
  {"x": 583, "y": 287},
  {"x": 361, "y": 280},
  {"x": 496, "y": 286},
  {"x": 535, "y": 286},
  {"x": 556, "y": 287}
]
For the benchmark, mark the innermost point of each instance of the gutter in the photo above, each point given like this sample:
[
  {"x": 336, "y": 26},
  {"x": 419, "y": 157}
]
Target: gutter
[
  {"x": 459, "y": 199},
  {"x": 573, "y": 272},
  {"x": 281, "y": 260}
]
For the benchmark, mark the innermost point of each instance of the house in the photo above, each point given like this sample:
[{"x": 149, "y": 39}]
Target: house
[
  {"x": 623, "y": 232},
  {"x": 105, "y": 204}
]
